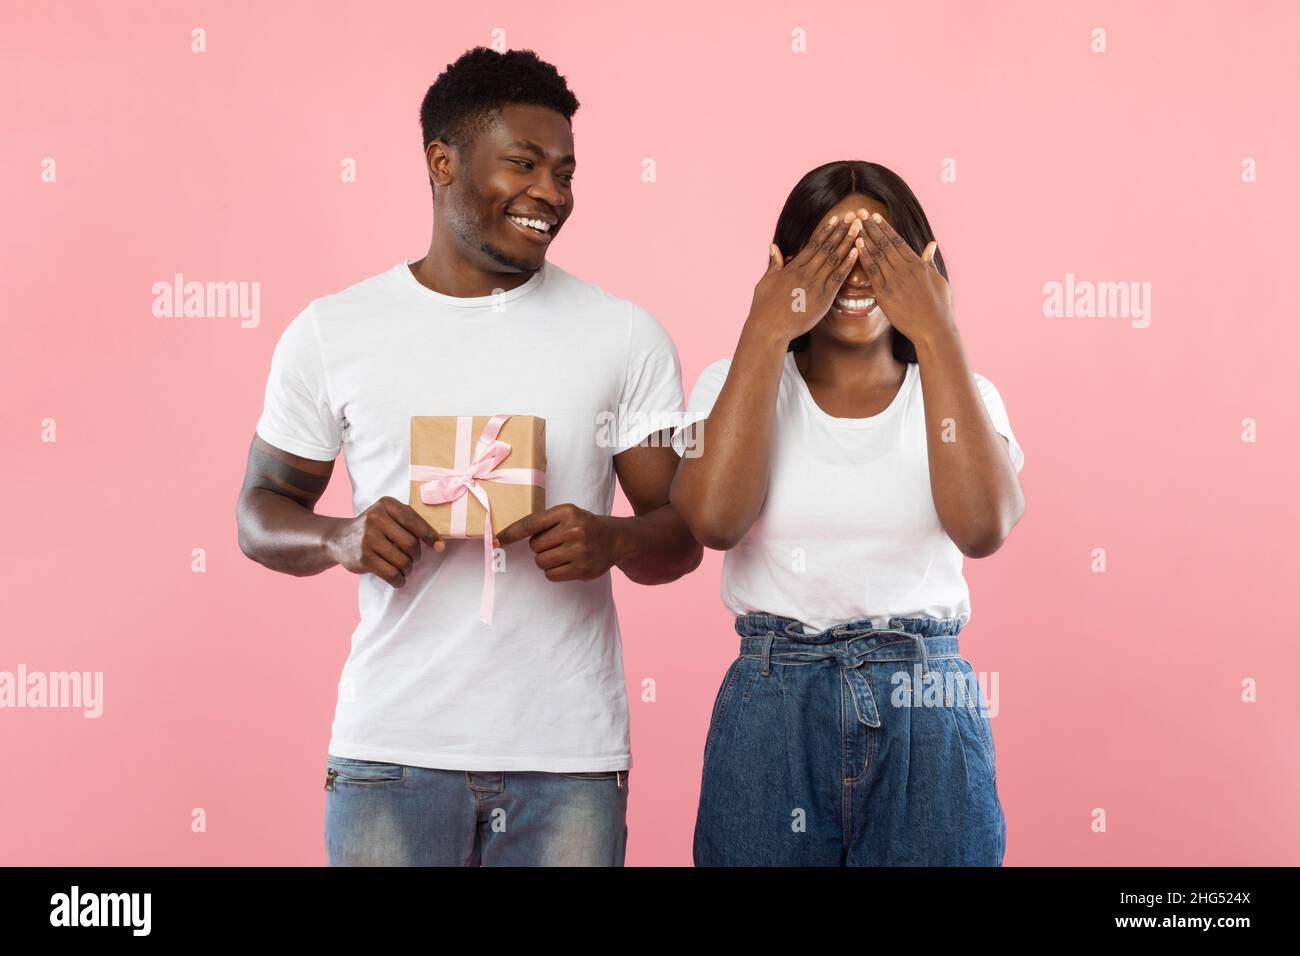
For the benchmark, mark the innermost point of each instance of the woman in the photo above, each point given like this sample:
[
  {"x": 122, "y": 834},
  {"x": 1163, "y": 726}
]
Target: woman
[{"x": 846, "y": 458}]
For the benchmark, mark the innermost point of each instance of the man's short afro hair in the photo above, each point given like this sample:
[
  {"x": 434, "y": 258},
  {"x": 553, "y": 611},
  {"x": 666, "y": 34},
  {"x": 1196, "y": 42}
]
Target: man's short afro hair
[{"x": 465, "y": 96}]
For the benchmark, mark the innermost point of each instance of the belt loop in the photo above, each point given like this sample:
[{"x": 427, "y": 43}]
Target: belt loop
[
  {"x": 766, "y": 660},
  {"x": 925, "y": 660}
]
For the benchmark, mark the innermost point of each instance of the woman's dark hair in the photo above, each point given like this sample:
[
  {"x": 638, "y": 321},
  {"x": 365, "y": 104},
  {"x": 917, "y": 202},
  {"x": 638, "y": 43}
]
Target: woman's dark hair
[{"x": 824, "y": 188}]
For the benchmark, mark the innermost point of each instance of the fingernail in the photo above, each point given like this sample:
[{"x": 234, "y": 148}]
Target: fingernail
[
  {"x": 876, "y": 216},
  {"x": 834, "y": 220}
]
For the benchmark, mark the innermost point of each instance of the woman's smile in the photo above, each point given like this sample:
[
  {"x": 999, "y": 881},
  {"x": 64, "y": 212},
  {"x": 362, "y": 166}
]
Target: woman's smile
[{"x": 856, "y": 305}]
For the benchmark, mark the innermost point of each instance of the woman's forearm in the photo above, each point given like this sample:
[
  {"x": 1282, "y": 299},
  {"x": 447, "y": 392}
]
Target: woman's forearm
[
  {"x": 721, "y": 484},
  {"x": 973, "y": 481}
]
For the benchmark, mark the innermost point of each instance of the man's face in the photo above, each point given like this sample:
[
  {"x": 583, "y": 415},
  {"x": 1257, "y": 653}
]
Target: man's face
[{"x": 514, "y": 189}]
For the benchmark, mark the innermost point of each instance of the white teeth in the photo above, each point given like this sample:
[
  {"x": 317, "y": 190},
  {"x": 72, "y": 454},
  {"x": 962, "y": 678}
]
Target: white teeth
[
  {"x": 855, "y": 304},
  {"x": 538, "y": 224}
]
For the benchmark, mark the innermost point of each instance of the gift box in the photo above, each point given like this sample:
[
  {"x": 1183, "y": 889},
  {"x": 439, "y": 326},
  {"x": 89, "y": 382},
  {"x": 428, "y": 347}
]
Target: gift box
[
  {"x": 461, "y": 465},
  {"x": 476, "y": 474}
]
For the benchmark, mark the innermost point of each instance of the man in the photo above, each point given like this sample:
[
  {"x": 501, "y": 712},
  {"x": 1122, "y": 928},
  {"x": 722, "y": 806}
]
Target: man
[{"x": 457, "y": 742}]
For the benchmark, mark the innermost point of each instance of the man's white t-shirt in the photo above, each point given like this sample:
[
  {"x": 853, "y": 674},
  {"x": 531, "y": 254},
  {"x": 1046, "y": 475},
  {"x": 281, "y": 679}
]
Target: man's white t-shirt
[
  {"x": 848, "y": 530},
  {"x": 426, "y": 683}
]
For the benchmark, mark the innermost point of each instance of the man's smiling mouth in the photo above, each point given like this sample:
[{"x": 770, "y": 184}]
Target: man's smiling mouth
[{"x": 538, "y": 228}]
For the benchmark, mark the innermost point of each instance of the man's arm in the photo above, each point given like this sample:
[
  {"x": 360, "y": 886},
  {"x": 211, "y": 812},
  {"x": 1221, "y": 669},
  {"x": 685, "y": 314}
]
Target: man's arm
[
  {"x": 278, "y": 526},
  {"x": 659, "y": 546},
  {"x": 653, "y": 547}
]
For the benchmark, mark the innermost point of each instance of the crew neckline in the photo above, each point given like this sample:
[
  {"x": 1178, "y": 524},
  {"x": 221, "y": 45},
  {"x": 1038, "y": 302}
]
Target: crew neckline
[
  {"x": 474, "y": 301},
  {"x": 889, "y": 411}
]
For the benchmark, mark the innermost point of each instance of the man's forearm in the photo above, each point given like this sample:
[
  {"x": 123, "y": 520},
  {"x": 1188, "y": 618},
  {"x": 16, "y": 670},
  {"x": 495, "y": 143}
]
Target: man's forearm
[
  {"x": 656, "y": 547},
  {"x": 282, "y": 535}
]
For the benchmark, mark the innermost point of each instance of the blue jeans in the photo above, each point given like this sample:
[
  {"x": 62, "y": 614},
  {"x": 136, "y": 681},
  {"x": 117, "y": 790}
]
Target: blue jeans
[
  {"x": 855, "y": 746},
  {"x": 388, "y": 814}
]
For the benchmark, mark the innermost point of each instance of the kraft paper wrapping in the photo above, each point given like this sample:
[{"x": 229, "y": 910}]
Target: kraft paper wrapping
[{"x": 433, "y": 442}]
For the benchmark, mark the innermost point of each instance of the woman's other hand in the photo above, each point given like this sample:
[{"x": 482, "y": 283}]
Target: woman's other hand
[
  {"x": 909, "y": 288},
  {"x": 794, "y": 296}
]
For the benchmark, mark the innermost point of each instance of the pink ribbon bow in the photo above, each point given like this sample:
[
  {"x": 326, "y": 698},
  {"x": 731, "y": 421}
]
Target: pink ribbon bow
[{"x": 450, "y": 484}]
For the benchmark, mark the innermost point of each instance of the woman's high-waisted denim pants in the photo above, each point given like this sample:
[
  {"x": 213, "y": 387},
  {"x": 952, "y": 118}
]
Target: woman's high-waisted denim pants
[{"x": 860, "y": 745}]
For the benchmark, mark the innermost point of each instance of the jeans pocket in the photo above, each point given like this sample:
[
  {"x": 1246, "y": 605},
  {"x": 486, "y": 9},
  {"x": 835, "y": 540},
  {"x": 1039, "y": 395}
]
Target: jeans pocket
[
  {"x": 364, "y": 773},
  {"x": 723, "y": 701},
  {"x": 973, "y": 700},
  {"x": 593, "y": 774}
]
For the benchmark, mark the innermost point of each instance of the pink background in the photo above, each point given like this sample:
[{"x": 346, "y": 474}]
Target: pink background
[{"x": 1119, "y": 691}]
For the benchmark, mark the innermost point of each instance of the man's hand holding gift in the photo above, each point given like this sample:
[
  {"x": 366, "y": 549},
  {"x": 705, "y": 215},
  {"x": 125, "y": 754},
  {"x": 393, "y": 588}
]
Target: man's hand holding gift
[
  {"x": 570, "y": 544},
  {"x": 383, "y": 540}
]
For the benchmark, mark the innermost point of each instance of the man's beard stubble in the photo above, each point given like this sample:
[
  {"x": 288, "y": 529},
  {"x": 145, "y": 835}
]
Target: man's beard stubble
[{"x": 471, "y": 232}]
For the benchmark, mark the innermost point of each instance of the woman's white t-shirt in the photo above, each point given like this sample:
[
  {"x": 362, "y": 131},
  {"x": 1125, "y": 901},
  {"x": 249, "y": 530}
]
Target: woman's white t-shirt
[{"x": 848, "y": 530}]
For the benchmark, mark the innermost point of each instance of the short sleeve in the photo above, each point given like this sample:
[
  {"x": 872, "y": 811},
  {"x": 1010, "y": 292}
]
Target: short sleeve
[
  {"x": 703, "y": 395},
  {"x": 651, "y": 400},
  {"x": 296, "y": 415},
  {"x": 1001, "y": 423}
]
